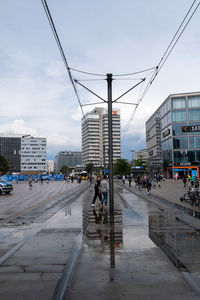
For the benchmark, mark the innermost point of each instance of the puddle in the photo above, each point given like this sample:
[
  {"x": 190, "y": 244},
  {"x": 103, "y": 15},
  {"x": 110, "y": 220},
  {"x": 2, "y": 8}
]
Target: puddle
[{"x": 179, "y": 241}]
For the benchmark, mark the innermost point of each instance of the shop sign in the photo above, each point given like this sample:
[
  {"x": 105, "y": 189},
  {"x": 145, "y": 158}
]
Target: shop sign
[
  {"x": 166, "y": 132},
  {"x": 151, "y": 153},
  {"x": 194, "y": 128}
]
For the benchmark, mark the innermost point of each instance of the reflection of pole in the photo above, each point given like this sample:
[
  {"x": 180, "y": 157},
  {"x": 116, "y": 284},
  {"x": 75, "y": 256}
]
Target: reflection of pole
[
  {"x": 112, "y": 246},
  {"x": 110, "y": 137}
]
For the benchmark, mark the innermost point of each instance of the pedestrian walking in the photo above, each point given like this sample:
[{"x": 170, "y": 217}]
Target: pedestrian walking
[
  {"x": 148, "y": 184},
  {"x": 129, "y": 181},
  {"x": 184, "y": 180},
  {"x": 196, "y": 183},
  {"x": 41, "y": 180},
  {"x": 104, "y": 189},
  {"x": 30, "y": 182},
  {"x": 192, "y": 179},
  {"x": 97, "y": 190},
  {"x": 123, "y": 179}
]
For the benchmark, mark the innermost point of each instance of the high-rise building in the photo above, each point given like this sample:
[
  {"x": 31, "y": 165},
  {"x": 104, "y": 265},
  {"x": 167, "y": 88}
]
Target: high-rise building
[
  {"x": 33, "y": 154},
  {"x": 10, "y": 148},
  {"x": 67, "y": 158},
  {"x": 173, "y": 135},
  {"x": 49, "y": 166},
  {"x": 95, "y": 143}
]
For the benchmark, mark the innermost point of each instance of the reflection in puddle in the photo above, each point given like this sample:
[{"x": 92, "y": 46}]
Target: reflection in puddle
[
  {"x": 100, "y": 234},
  {"x": 179, "y": 241}
]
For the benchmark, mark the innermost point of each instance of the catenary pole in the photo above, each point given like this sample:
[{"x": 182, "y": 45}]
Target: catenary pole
[
  {"x": 110, "y": 137},
  {"x": 111, "y": 197}
]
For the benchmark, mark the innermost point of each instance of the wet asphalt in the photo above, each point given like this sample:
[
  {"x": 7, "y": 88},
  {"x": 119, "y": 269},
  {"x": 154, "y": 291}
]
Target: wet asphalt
[{"x": 70, "y": 251}]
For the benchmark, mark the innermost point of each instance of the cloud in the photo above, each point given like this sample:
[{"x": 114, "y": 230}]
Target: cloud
[{"x": 16, "y": 128}]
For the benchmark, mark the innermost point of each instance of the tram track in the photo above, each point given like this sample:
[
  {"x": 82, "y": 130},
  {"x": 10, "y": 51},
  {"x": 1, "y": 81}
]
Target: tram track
[{"x": 39, "y": 216}]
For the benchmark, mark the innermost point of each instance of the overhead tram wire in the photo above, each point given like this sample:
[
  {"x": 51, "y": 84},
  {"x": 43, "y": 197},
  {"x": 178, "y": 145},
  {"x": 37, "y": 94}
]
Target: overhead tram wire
[
  {"x": 73, "y": 81},
  {"x": 156, "y": 69},
  {"x": 114, "y": 75},
  {"x": 171, "y": 46},
  {"x": 179, "y": 36},
  {"x": 88, "y": 73},
  {"x": 176, "y": 32},
  {"x": 48, "y": 14},
  {"x": 167, "y": 53}
]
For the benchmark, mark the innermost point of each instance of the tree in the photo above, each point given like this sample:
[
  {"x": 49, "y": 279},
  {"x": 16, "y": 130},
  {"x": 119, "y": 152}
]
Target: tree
[
  {"x": 89, "y": 168},
  {"x": 121, "y": 167},
  {"x": 4, "y": 166},
  {"x": 64, "y": 170}
]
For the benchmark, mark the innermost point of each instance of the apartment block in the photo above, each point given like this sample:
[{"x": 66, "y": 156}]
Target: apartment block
[{"x": 95, "y": 142}]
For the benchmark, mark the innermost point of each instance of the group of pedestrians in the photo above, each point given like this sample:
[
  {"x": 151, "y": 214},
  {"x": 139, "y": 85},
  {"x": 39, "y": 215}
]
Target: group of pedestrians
[
  {"x": 192, "y": 180},
  {"x": 101, "y": 187}
]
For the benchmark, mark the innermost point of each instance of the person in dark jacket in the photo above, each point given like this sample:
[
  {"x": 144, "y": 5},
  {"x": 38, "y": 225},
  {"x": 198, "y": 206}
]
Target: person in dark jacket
[
  {"x": 148, "y": 184},
  {"x": 97, "y": 190},
  {"x": 184, "y": 180}
]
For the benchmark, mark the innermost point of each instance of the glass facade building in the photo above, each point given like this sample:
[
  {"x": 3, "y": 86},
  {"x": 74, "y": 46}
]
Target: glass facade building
[
  {"x": 179, "y": 118},
  {"x": 10, "y": 148}
]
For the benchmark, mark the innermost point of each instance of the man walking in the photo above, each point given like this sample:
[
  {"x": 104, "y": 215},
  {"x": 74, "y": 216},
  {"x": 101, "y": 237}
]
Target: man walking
[
  {"x": 104, "y": 189},
  {"x": 97, "y": 190}
]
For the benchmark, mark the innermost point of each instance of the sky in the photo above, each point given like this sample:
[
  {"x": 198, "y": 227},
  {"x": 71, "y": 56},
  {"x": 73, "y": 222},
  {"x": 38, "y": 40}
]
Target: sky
[{"x": 118, "y": 37}]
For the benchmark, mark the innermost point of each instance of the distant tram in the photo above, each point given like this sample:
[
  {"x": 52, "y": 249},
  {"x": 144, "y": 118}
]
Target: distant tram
[{"x": 84, "y": 175}]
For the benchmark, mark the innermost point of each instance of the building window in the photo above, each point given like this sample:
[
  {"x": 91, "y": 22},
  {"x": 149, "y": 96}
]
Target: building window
[
  {"x": 178, "y": 102},
  {"x": 180, "y": 143},
  {"x": 194, "y": 115},
  {"x": 195, "y": 142},
  {"x": 179, "y": 116},
  {"x": 177, "y": 129},
  {"x": 194, "y": 101},
  {"x": 166, "y": 120}
]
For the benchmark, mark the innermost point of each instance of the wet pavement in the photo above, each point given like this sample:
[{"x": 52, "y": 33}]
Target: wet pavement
[{"x": 71, "y": 252}]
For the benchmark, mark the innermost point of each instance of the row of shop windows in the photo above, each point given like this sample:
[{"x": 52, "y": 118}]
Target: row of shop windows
[
  {"x": 182, "y": 143},
  {"x": 180, "y": 115},
  {"x": 177, "y": 129},
  {"x": 191, "y": 157}
]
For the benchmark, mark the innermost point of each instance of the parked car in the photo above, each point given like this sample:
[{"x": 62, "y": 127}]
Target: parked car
[{"x": 5, "y": 186}]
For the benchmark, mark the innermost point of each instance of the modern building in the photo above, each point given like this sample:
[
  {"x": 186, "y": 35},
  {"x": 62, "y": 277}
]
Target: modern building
[
  {"x": 10, "y": 148},
  {"x": 49, "y": 166},
  {"x": 141, "y": 154},
  {"x": 95, "y": 143},
  {"x": 173, "y": 135},
  {"x": 67, "y": 158},
  {"x": 33, "y": 154}
]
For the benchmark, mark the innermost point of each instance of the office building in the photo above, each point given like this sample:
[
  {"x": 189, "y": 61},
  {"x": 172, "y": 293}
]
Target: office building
[
  {"x": 95, "y": 143},
  {"x": 49, "y": 166},
  {"x": 10, "y": 148},
  {"x": 173, "y": 135},
  {"x": 33, "y": 154},
  {"x": 141, "y": 154},
  {"x": 67, "y": 158}
]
